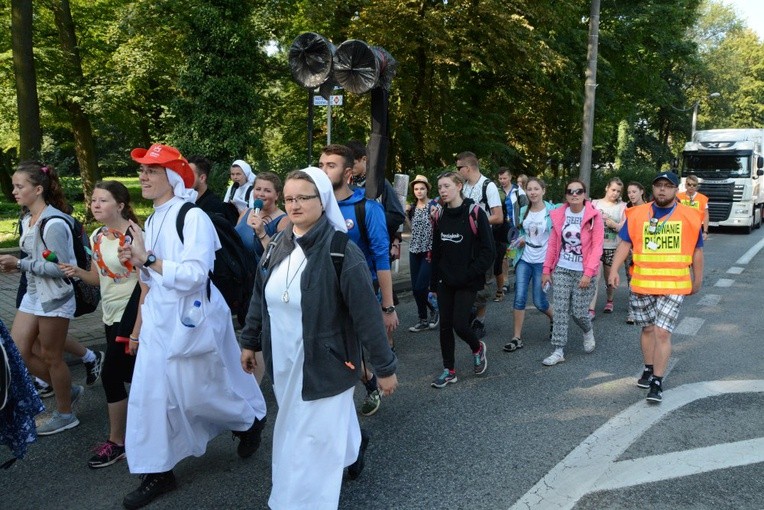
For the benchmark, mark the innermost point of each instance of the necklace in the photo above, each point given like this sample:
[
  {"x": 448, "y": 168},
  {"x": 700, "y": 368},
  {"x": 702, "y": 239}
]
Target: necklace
[
  {"x": 285, "y": 295},
  {"x": 159, "y": 230}
]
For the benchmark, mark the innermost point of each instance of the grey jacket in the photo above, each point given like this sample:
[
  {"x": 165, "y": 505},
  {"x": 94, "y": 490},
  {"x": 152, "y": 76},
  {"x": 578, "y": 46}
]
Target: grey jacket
[{"x": 329, "y": 325}]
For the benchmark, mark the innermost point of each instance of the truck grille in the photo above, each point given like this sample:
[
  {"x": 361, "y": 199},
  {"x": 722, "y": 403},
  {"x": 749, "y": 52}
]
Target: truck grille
[
  {"x": 723, "y": 192},
  {"x": 719, "y": 211}
]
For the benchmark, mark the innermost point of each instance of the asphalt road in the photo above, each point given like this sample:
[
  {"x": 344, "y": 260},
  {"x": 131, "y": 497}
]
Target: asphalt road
[{"x": 577, "y": 435}]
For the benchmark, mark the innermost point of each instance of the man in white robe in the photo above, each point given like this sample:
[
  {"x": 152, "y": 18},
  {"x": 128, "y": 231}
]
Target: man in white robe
[{"x": 188, "y": 385}]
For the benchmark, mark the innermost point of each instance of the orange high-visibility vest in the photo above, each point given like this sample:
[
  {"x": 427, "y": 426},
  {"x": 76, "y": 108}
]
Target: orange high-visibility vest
[
  {"x": 699, "y": 202},
  {"x": 666, "y": 268}
]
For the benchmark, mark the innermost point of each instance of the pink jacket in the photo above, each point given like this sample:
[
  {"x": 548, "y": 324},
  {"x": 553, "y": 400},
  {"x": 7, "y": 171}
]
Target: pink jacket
[{"x": 592, "y": 238}]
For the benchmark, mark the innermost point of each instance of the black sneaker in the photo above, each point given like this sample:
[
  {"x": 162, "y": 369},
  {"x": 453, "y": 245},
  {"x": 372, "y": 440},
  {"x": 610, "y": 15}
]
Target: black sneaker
[
  {"x": 93, "y": 368},
  {"x": 106, "y": 454},
  {"x": 44, "y": 391},
  {"x": 644, "y": 380},
  {"x": 355, "y": 469},
  {"x": 478, "y": 328},
  {"x": 249, "y": 440},
  {"x": 434, "y": 320},
  {"x": 152, "y": 486},
  {"x": 422, "y": 325},
  {"x": 656, "y": 392}
]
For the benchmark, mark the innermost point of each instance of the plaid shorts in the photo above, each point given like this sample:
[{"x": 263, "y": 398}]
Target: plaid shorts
[{"x": 660, "y": 310}]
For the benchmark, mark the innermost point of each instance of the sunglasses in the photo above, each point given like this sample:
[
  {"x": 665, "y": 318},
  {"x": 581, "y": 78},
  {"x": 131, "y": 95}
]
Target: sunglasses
[{"x": 576, "y": 191}]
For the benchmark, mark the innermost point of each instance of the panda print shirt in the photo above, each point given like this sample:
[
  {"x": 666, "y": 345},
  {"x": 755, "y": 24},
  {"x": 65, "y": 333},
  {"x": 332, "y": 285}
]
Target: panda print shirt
[{"x": 571, "y": 256}]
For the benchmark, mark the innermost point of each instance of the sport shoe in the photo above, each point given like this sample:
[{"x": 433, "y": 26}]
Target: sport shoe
[
  {"x": 630, "y": 318},
  {"x": 93, "y": 368},
  {"x": 422, "y": 325},
  {"x": 249, "y": 440},
  {"x": 656, "y": 392},
  {"x": 57, "y": 423},
  {"x": 106, "y": 454},
  {"x": 355, "y": 469},
  {"x": 447, "y": 377},
  {"x": 434, "y": 320},
  {"x": 589, "y": 341},
  {"x": 481, "y": 362},
  {"x": 478, "y": 328},
  {"x": 371, "y": 403},
  {"x": 608, "y": 307},
  {"x": 44, "y": 391},
  {"x": 644, "y": 380},
  {"x": 152, "y": 486},
  {"x": 553, "y": 359}
]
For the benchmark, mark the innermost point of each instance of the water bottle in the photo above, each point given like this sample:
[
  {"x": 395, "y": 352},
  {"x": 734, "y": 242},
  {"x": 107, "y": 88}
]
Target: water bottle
[
  {"x": 433, "y": 300},
  {"x": 193, "y": 315}
]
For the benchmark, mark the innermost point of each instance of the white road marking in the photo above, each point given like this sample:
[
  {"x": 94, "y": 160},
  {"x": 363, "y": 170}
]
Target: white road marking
[
  {"x": 590, "y": 466},
  {"x": 735, "y": 270},
  {"x": 724, "y": 282},
  {"x": 750, "y": 254},
  {"x": 689, "y": 326},
  {"x": 709, "y": 300}
]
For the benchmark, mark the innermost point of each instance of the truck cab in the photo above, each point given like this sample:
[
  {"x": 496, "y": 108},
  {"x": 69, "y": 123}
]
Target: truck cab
[{"x": 729, "y": 164}]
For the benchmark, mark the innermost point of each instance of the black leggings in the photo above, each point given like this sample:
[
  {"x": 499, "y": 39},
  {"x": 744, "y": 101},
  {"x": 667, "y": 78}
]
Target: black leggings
[
  {"x": 117, "y": 367},
  {"x": 455, "y": 306}
]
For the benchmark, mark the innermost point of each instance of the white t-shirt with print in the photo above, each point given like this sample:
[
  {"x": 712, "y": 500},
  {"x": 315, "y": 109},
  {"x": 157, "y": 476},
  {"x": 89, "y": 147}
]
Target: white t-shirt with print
[
  {"x": 571, "y": 253},
  {"x": 536, "y": 237},
  {"x": 475, "y": 192}
]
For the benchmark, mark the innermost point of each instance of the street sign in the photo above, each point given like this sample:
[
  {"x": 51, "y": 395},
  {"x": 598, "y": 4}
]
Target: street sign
[{"x": 335, "y": 100}]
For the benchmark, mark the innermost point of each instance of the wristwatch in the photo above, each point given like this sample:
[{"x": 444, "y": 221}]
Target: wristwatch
[
  {"x": 388, "y": 309},
  {"x": 150, "y": 260}
]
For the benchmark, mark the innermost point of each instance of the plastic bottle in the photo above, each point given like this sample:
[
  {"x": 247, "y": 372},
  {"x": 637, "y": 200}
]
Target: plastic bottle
[{"x": 193, "y": 315}]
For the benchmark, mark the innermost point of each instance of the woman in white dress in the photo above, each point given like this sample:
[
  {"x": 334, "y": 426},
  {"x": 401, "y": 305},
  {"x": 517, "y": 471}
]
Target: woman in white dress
[
  {"x": 239, "y": 193},
  {"x": 302, "y": 319}
]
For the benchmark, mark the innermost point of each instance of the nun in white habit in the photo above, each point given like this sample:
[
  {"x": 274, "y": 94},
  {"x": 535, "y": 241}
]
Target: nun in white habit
[
  {"x": 311, "y": 326},
  {"x": 239, "y": 193}
]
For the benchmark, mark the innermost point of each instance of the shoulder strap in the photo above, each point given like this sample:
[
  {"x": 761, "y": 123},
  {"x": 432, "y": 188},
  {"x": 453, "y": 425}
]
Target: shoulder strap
[
  {"x": 182, "y": 218},
  {"x": 360, "y": 220},
  {"x": 473, "y": 215},
  {"x": 337, "y": 251},
  {"x": 44, "y": 222},
  {"x": 484, "y": 197},
  {"x": 248, "y": 193}
]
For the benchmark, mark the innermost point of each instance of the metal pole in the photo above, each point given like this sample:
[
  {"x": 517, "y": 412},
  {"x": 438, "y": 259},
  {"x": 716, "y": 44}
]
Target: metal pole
[
  {"x": 310, "y": 128},
  {"x": 695, "y": 109},
  {"x": 329, "y": 122},
  {"x": 590, "y": 87}
]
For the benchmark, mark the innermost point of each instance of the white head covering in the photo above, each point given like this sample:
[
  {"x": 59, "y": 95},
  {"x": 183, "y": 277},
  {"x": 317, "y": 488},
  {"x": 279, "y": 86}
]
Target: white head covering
[
  {"x": 238, "y": 196},
  {"x": 179, "y": 188},
  {"x": 326, "y": 194}
]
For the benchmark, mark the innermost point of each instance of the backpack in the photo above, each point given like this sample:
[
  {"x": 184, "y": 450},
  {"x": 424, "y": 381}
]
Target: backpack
[
  {"x": 234, "y": 271},
  {"x": 86, "y": 296},
  {"x": 337, "y": 252},
  {"x": 473, "y": 216}
]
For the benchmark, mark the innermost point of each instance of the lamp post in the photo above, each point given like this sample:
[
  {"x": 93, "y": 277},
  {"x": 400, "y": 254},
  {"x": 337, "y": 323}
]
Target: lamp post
[{"x": 695, "y": 109}]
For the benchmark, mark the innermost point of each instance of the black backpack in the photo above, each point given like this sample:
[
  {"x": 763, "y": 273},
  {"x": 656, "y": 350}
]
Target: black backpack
[
  {"x": 86, "y": 296},
  {"x": 234, "y": 271}
]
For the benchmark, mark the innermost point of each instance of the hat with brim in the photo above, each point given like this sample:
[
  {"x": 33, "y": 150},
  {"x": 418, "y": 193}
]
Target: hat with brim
[
  {"x": 421, "y": 179},
  {"x": 168, "y": 157},
  {"x": 669, "y": 176}
]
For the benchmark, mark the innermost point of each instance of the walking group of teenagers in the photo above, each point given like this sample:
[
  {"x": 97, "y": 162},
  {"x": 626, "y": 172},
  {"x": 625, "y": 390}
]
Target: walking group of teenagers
[{"x": 322, "y": 310}]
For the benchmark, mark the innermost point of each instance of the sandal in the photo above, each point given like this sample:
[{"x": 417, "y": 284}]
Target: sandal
[
  {"x": 513, "y": 345},
  {"x": 608, "y": 307},
  {"x": 499, "y": 297}
]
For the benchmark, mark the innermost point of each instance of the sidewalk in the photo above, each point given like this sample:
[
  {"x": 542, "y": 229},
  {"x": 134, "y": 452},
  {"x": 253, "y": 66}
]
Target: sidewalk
[{"x": 88, "y": 329}]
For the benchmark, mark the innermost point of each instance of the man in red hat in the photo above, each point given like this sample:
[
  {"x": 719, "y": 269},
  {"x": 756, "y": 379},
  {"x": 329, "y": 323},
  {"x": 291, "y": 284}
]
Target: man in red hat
[{"x": 188, "y": 384}]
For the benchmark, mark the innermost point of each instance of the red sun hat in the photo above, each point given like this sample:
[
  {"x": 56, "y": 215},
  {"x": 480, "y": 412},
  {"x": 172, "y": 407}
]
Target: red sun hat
[{"x": 168, "y": 157}]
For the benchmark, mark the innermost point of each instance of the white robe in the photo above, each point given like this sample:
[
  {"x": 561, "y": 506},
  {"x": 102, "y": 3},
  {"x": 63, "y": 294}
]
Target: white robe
[
  {"x": 188, "y": 385},
  {"x": 312, "y": 441}
]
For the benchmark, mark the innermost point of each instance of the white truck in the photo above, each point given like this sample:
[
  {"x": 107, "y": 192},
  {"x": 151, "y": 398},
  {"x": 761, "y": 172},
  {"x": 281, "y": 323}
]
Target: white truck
[{"x": 729, "y": 164}]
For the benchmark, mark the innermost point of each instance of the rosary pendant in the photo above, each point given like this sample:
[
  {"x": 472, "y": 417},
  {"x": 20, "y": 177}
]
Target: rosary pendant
[{"x": 285, "y": 296}]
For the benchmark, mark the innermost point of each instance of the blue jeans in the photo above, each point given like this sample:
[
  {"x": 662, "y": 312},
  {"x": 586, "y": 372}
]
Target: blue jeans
[
  {"x": 420, "y": 270},
  {"x": 527, "y": 273}
]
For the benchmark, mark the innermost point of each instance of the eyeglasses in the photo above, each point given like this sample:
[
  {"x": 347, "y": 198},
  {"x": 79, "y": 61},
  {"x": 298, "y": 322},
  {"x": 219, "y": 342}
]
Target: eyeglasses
[
  {"x": 688, "y": 185},
  {"x": 575, "y": 191},
  {"x": 151, "y": 172},
  {"x": 298, "y": 200}
]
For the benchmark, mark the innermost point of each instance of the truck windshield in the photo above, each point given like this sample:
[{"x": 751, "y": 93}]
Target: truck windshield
[{"x": 717, "y": 166}]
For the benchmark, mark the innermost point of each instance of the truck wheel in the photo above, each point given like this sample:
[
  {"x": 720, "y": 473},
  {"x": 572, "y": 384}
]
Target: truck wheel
[{"x": 758, "y": 225}]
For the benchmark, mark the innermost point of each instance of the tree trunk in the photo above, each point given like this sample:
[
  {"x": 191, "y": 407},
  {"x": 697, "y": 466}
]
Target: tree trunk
[
  {"x": 84, "y": 143},
  {"x": 30, "y": 132}
]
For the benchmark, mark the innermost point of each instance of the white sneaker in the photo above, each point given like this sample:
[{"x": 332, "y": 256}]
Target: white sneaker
[
  {"x": 553, "y": 359},
  {"x": 589, "y": 341}
]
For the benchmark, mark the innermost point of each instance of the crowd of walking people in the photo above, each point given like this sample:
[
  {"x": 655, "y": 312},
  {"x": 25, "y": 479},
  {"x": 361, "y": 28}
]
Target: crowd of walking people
[{"x": 323, "y": 310}]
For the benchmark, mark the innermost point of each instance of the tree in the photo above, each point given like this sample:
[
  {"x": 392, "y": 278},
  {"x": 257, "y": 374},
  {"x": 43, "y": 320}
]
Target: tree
[{"x": 30, "y": 132}]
